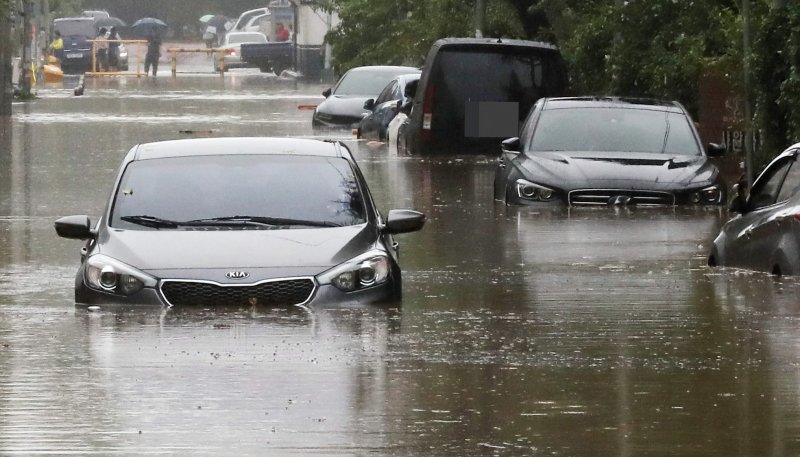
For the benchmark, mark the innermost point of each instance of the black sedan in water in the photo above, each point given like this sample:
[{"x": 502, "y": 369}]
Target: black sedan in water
[
  {"x": 239, "y": 222},
  {"x": 343, "y": 106},
  {"x": 765, "y": 234},
  {"x": 607, "y": 151},
  {"x": 375, "y": 125}
]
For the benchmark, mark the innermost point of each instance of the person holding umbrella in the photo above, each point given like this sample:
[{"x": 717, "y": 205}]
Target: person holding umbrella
[
  {"x": 113, "y": 49},
  {"x": 153, "y": 52}
]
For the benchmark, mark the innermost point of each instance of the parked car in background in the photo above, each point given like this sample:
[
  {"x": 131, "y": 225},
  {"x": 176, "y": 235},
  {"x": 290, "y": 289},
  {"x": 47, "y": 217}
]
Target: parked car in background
[
  {"x": 608, "y": 151},
  {"x": 343, "y": 107},
  {"x": 239, "y": 222},
  {"x": 232, "y": 48},
  {"x": 473, "y": 92},
  {"x": 765, "y": 233},
  {"x": 375, "y": 125},
  {"x": 76, "y": 33},
  {"x": 246, "y": 17}
]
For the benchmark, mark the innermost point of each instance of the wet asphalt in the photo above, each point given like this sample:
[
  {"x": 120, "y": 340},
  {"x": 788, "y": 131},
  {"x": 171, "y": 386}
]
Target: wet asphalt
[{"x": 522, "y": 331}]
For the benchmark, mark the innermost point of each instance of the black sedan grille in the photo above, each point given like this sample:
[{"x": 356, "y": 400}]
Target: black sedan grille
[
  {"x": 620, "y": 197},
  {"x": 282, "y": 292}
]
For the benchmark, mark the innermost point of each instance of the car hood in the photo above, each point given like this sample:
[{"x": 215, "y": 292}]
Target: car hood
[
  {"x": 580, "y": 169},
  {"x": 344, "y": 105},
  {"x": 186, "y": 253}
]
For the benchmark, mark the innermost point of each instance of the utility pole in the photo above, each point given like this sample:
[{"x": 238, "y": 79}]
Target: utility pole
[
  {"x": 6, "y": 53},
  {"x": 480, "y": 18},
  {"x": 748, "y": 116},
  {"x": 27, "y": 36}
]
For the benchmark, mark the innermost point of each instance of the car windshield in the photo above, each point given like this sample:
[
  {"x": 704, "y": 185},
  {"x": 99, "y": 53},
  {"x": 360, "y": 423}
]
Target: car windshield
[
  {"x": 310, "y": 190},
  {"x": 236, "y": 38},
  {"x": 614, "y": 130},
  {"x": 369, "y": 83}
]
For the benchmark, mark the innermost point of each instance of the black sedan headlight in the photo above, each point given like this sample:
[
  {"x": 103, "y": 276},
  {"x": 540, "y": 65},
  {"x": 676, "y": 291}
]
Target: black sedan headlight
[
  {"x": 107, "y": 274},
  {"x": 367, "y": 270},
  {"x": 711, "y": 195},
  {"x": 532, "y": 191}
]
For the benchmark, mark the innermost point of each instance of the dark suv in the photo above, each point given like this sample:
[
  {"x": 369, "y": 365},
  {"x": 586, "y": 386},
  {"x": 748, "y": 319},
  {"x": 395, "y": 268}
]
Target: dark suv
[
  {"x": 76, "y": 33},
  {"x": 474, "y": 92}
]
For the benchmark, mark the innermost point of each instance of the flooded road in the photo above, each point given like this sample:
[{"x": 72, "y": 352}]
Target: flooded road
[{"x": 577, "y": 332}]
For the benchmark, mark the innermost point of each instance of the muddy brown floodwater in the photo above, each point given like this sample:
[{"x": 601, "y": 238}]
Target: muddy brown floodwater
[{"x": 582, "y": 332}]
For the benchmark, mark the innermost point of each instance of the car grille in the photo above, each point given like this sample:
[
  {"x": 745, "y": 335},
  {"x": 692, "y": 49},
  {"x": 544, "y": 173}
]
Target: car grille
[
  {"x": 620, "y": 197},
  {"x": 282, "y": 292}
]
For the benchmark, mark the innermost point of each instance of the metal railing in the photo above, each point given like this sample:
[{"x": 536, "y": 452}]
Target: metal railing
[{"x": 99, "y": 72}]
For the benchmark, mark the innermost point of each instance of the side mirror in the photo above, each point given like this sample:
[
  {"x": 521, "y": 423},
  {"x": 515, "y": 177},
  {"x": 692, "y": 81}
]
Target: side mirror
[
  {"x": 326, "y": 93},
  {"x": 403, "y": 221},
  {"x": 736, "y": 205},
  {"x": 369, "y": 104},
  {"x": 738, "y": 201},
  {"x": 510, "y": 145},
  {"x": 74, "y": 227},
  {"x": 411, "y": 88},
  {"x": 716, "y": 150}
]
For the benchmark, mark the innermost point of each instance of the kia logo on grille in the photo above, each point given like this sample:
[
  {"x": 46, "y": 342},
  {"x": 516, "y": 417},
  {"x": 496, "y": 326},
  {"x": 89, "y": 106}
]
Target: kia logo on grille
[{"x": 237, "y": 275}]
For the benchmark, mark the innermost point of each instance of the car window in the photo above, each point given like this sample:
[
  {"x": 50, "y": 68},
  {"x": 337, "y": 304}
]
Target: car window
[
  {"x": 322, "y": 189},
  {"x": 765, "y": 190},
  {"x": 364, "y": 82},
  {"x": 387, "y": 94},
  {"x": 75, "y": 27},
  {"x": 510, "y": 75},
  {"x": 614, "y": 130},
  {"x": 791, "y": 182}
]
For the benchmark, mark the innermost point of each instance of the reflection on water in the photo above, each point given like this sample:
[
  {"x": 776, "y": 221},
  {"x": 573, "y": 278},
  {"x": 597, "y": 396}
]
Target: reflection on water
[{"x": 521, "y": 332}]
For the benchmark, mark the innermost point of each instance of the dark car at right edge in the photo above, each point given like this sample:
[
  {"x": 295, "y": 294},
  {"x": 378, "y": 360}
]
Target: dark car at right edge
[{"x": 580, "y": 151}]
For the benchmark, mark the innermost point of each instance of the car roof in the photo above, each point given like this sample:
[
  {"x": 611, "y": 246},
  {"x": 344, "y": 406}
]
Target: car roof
[
  {"x": 74, "y": 18},
  {"x": 612, "y": 102},
  {"x": 490, "y": 42},
  {"x": 238, "y": 146},
  {"x": 385, "y": 69}
]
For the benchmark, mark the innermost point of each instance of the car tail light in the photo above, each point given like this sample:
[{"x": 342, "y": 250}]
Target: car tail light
[
  {"x": 231, "y": 52},
  {"x": 797, "y": 216},
  {"x": 427, "y": 107}
]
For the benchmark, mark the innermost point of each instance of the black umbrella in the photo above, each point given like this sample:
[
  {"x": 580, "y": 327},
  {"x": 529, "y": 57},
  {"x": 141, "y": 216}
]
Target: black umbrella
[
  {"x": 146, "y": 25},
  {"x": 217, "y": 21},
  {"x": 108, "y": 22}
]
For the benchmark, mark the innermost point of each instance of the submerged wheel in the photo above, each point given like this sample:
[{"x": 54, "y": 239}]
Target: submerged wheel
[{"x": 713, "y": 258}]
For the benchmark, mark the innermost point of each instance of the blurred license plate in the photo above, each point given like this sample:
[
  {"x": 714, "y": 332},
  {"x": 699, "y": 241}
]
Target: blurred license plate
[{"x": 74, "y": 55}]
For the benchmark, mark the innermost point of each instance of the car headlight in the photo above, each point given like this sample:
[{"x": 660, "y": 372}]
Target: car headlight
[
  {"x": 366, "y": 270},
  {"x": 530, "y": 191},
  {"x": 711, "y": 195},
  {"x": 110, "y": 275}
]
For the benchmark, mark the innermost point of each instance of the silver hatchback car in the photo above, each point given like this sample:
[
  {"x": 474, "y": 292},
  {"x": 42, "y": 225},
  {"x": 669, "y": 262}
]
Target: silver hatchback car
[{"x": 765, "y": 234}]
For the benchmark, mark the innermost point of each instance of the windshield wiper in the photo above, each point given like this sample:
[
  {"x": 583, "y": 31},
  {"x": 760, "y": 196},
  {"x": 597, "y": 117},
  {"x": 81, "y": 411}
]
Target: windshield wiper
[
  {"x": 261, "y": 220},
  {"x": 150, "y": 221}
]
